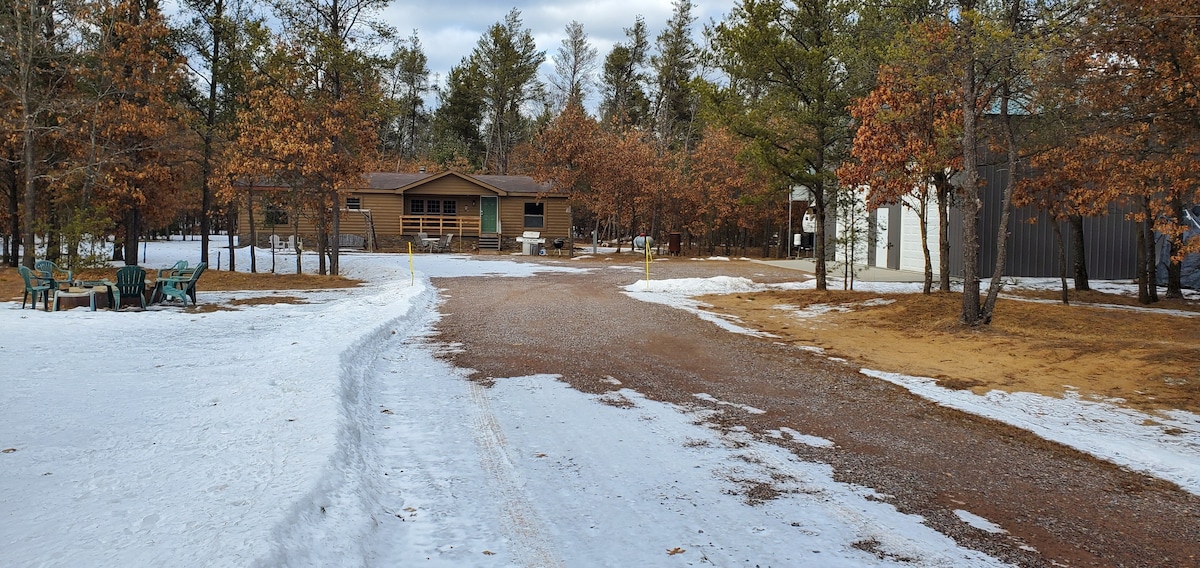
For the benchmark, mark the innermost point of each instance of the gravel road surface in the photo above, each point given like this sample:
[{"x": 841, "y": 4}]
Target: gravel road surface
[{"x": 1061, "y": 507}]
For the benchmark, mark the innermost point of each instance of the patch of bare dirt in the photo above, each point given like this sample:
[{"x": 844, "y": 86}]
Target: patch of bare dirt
[
  {"x": 1148, "y": 359},
  {"x": 231, "y": 305},
  {"x": 267, "y": 300}
]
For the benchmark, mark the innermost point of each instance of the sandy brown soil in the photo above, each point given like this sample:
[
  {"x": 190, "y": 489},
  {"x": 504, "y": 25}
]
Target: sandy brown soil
[
  {"x": 1148, "y": 358},
  {"x": 1061, "y": 507}
]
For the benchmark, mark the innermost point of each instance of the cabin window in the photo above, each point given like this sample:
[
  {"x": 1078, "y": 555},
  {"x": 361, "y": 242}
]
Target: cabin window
[
  {"x": 433, "y": 207},
  {"x": 449, "y": 207},
  {"x": 416, "y": 206},
  {"x": 276, "y": 216},
  {"x": 535, "y": 216},
  {"x": 354, "y": 203}
]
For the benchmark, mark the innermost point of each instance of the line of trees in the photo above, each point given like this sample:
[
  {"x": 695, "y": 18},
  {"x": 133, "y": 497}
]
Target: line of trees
[{"x": 119, "y": 123}]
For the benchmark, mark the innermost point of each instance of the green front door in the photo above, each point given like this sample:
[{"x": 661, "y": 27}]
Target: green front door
[{"x": 487, "y": 215}]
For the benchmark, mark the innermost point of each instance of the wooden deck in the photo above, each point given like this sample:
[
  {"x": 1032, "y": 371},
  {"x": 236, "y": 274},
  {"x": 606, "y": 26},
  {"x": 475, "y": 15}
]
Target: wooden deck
[{"x": 439, "y": 225}]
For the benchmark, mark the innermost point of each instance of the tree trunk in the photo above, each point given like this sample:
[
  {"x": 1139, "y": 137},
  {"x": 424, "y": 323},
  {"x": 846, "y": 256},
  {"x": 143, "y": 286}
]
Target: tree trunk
[
  {"x": 230, "y": 224},
  {"x": 322, "y": 244},
  {"x": 944, "y": 193},
  {"x": 971, "y": 205},
  {"x": 254, "y": 234},
  {"x": 13, "y": 240},
  {"x": 210, "y": 123},
  {"x": 1078, "y": 252},
  {"x": 205, "y": 199},
  {"x": 1174, "y": 264},
  {"x": 132, "y": 228},
  {"x": 1151, "y": 258},
  {"x": 335, "y": 240},
  {"x": 296, "y": 238},
  {"x": 30, "y": 174},
  {"x": 118, "y": 245},
  {"x": 1002, "y": 233},
  {"x": 819, "y": 252},
  {"x": 923, "y": 220},
  {"x": 1146, "y": 277},
  {"x": 1142, "y": 283},
  {"x": 1062, "y": 259},
  {"x": 52, "y": 237}
]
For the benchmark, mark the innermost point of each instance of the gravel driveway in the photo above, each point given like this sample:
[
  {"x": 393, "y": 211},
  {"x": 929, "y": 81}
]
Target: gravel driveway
[{"x": 1061, "y": 507}]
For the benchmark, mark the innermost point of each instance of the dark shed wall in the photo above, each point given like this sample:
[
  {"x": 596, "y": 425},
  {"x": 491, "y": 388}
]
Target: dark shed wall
[{"x": 1109, "y": 241}]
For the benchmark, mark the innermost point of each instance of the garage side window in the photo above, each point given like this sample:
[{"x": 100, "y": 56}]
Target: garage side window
[{"x": 535, "y": 215}]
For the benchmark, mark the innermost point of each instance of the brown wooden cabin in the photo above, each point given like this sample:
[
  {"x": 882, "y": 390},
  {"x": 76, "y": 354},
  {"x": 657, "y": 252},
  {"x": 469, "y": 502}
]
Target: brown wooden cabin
[{"x": 484, "y": 212}]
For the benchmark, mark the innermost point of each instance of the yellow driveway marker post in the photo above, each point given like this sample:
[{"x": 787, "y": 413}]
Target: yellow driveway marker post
[{"x": 646, "y": 244}]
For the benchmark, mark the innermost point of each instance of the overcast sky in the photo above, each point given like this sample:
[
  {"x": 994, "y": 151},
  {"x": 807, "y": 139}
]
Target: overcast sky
[{"x": 449, "y": 29}]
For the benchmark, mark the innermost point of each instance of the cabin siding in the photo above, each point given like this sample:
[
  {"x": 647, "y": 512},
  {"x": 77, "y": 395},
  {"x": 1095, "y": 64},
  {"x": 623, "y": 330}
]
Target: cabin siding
[
  {"x": 384, "y": 210},
  {"x": 450, "y": 186},
  {"x": 389, "y": 199},
  {"x": 556, "y": 218}
]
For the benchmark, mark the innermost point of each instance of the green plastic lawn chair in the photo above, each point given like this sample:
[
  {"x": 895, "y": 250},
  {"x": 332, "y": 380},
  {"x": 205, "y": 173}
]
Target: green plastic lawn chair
[
  {"x": 173, "y": 271},
  {"x": 35, "y": 288},
  {"x": 131, "y": 282},
  {"x": 54, "y": 275},
  {"x": 183, "y": 284}
]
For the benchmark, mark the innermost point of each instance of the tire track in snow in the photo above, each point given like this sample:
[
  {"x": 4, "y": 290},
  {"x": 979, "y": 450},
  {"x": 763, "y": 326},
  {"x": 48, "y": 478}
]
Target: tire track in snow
[
  {"x": 521, "y": 522},
  {"x": 343, "y": 498}
]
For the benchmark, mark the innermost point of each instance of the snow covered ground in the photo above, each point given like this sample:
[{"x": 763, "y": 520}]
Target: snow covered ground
[{"x": 327, "y": 433}]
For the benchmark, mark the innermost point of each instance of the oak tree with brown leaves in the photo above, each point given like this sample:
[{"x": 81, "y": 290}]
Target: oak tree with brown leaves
[
  {"x": 904, "y": 153},
  {"x": 1139, "y": 72},
  {"x": 295, "y": 134},
  {"x": 135, "y": 128}
]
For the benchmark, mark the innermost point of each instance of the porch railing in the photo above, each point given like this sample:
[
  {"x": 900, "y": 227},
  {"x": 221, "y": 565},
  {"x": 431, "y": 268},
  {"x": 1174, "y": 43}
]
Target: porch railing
[{"x": 439, "y": 225}]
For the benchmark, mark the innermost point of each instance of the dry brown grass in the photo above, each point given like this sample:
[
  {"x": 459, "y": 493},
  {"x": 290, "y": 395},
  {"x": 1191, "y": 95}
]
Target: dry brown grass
[{"x": 1148, "y": 358}]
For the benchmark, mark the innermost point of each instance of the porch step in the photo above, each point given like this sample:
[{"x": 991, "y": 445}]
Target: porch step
[{"x": 489, "y": 242}]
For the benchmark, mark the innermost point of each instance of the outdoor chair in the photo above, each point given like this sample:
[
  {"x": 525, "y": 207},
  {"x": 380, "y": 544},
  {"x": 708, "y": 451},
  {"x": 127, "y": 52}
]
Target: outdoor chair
[
  {"x": 35, "y": 288},
  {"x": 183, "y": 285},
  {"x": 169, "y": 272},
  {"x": 54, "y": 275},
  {"x": 131, "y": 281},
  {"x": 443, "y": 244}
]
